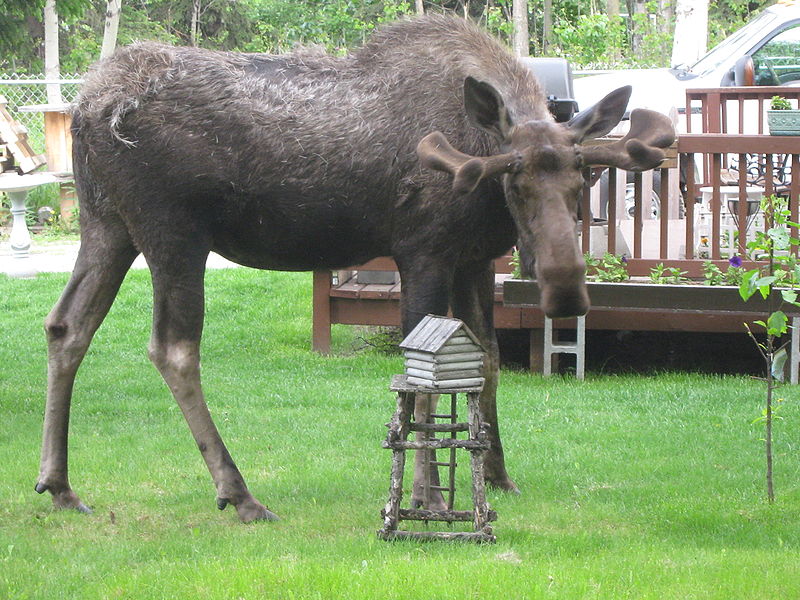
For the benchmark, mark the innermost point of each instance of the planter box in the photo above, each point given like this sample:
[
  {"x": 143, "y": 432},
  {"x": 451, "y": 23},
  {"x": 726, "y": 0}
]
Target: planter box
[
  {"x": 783, "y": 122},
  {"x": 698, "y": 298}
]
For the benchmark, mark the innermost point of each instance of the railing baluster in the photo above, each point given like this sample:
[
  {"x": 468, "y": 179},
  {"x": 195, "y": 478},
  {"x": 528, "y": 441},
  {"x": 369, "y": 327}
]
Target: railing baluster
[
  {"x": 611, "y": 210},
  {"x": 741, "y": 115},
  {"x": 742, "y": 210},
  {"x": 716, "y": 166},
  {"x": 637, "y": 215},
  {"x": 690, "y": 206},
  {"x": 663, "y": 194},
  {"x": 586, "y": 216}
]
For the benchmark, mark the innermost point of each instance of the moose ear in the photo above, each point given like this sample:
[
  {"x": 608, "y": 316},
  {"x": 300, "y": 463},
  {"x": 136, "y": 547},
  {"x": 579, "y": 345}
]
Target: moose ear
[
  {"x": 602, "y": 117},
  {"x": 485, "y": 108}
]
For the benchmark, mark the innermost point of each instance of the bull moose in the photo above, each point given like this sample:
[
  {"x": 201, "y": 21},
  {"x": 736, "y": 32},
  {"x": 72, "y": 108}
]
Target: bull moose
[{"x": 431, "y": 144}]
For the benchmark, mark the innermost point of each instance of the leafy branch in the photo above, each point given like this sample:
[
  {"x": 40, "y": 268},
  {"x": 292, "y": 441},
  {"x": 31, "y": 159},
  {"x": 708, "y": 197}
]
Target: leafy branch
[{"x": 780, "y": 273}]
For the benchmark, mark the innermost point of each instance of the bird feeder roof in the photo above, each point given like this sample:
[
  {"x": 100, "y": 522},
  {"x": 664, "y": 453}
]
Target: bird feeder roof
[{"x": 433, "y": 332}]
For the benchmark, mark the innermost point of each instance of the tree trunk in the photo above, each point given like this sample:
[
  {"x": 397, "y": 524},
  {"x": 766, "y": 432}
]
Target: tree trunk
[
  {"x": 691, "y": 31},
  {"x": 639, "y": 10},
  {"x": 51, "y": 63},
  {"x": 520, "y": 18},
  {"x": 113, "y": 9},
  {"x": 194, "y": 33},
  {"x": 420, "y": 7},
  {"x": 612, "y": 10},
  {"x": 547, "y": 26}
]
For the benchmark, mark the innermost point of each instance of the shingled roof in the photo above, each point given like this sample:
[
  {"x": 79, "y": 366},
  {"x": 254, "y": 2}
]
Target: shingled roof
[{"x": 433, "y": 332}]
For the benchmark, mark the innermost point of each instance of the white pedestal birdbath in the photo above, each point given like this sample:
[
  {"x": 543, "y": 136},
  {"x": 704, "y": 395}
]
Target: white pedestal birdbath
[{"x": 17, "y": 187}]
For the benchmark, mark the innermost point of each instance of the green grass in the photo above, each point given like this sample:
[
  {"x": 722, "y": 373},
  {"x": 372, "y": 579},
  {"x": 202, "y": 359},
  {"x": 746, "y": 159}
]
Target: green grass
[{"x": 632, "y": 487}]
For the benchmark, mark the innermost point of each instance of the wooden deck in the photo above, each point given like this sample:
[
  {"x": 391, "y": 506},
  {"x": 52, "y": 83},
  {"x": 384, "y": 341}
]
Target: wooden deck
[{"x": 614, "y": 308}]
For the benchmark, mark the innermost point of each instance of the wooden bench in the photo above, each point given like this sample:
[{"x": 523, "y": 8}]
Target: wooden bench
[{"x": 340, "y": 298}]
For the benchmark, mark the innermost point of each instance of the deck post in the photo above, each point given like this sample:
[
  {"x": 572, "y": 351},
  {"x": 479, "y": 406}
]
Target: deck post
[{"x": 321, "y": 319}]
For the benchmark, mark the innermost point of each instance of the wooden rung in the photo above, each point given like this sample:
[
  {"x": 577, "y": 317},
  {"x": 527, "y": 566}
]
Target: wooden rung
[
  {"x": 440, "y": 427},
  {"x": 478, "y": 537},
  {"x": 441, "y": 488},
  {"x": 443, "y": 416},
  {"x": 443, "y": 464},
  {"x": 437, "y": 445},
  {"x": 449, "y": 516}
]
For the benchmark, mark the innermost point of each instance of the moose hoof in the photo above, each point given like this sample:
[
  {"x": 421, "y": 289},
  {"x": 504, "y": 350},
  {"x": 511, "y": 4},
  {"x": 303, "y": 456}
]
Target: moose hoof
[
  {"x": 65, "y": 499},
  {"x": 437, "y": 503},
  {"x": 249, "y": 510},
  {"x": 504, "y": 483}
]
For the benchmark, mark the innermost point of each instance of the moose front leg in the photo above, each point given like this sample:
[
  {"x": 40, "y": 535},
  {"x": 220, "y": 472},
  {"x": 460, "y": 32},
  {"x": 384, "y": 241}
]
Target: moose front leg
[
  {"x": 426, "y": 285},
  {"x": 473, "y": 302}
]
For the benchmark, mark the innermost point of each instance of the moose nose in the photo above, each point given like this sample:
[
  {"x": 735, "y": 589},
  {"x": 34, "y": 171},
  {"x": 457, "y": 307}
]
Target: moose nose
[
  {"x": 559, "y": 302},
  {"x": 563, "y": 290}
]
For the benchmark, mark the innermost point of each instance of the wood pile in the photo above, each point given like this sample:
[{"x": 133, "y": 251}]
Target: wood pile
[{"x": 14, "y": 146}]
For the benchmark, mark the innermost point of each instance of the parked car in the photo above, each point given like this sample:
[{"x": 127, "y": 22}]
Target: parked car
[{"x": 765, "y": 51}]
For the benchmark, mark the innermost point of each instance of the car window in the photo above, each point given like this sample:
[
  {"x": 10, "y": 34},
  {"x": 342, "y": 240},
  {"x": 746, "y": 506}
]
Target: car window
[
  {"x": 737, "y": 44},
  {"x": 778, "y": 61}
]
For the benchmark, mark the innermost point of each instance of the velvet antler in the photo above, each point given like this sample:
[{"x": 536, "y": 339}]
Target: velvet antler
[
  {"x": 435, "y": 152},
  {"x": 641, "y": 149}
]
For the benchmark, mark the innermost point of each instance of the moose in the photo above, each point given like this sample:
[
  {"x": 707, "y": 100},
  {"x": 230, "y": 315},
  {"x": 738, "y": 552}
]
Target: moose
[{"x": 431, "y": 144}]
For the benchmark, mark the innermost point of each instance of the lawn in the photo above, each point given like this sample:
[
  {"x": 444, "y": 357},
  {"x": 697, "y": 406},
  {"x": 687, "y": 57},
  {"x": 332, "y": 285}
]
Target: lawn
[{"x": 632, "y": 486}]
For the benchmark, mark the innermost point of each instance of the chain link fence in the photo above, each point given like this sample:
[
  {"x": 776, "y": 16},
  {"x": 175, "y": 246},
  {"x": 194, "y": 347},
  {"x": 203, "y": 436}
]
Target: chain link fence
[{"x": 26, "y": 90}]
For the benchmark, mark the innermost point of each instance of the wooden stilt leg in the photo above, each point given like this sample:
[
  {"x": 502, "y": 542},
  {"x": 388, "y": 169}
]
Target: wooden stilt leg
[
  {"x": 477, "y": 443},
  {"x": 478, "y": 433},
  {"x": 398, "y": 431}
]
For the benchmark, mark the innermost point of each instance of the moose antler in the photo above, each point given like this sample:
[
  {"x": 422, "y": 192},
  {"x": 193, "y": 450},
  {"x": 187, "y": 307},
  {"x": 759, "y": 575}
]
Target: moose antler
[
  {"x": 641, "y": 149},
  {"x": 435, "y": 152}
]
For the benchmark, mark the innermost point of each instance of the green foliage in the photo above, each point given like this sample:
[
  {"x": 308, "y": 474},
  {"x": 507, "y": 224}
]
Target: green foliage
[
  {"x": 609, "y": 268},
  {"x": 335, "y": 25},
  {"x": 516, "y": 265},
  {"x": 591, "y": 40},
  {"x": 779, "y": 103},
  {"x": 727, "y": 16},
  {"x": 713, "y": 275},
  {"x": 781, "y": 269},
  {"x": 581, "y": 31},
  {"x": 662, "y": 274}
]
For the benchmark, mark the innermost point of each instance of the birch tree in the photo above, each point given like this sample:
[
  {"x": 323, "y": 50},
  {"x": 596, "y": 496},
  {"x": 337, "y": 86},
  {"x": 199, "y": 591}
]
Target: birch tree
[
  {"x": 691, "y": 31},
  {"x": 52, "y": 70},
  {"x": 521, "y": 42},
  {"x": 113, "y": 9},
  {"x": 547, "y": 26}
]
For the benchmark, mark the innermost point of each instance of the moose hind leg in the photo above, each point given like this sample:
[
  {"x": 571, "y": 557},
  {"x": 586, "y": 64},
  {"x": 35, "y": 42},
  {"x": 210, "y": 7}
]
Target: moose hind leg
[
  {"x": 175, "y": 351},
  {"x": 104, "y": 258},
  {"x": 426, "y": 473}
]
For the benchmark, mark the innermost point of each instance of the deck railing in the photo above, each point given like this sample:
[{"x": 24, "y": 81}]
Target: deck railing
[{"x": 729, "y": 163}]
